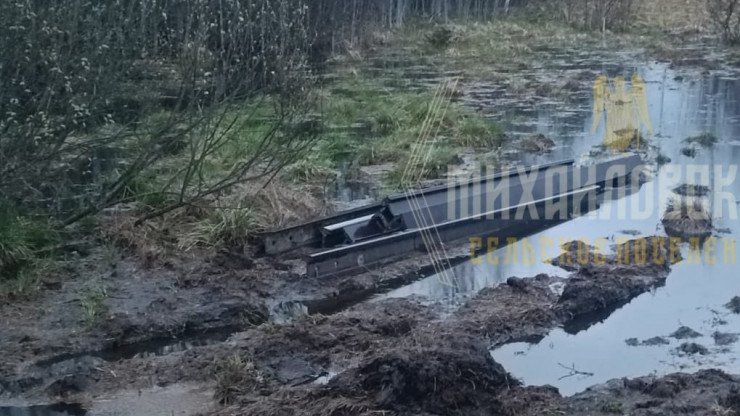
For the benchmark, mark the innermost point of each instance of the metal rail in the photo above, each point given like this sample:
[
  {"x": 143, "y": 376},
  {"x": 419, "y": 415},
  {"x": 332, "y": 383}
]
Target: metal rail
[
  {"x": 310, "y": 233},
  {"x": 361, "y": 255},
  {"x": 508, "y": 202}
]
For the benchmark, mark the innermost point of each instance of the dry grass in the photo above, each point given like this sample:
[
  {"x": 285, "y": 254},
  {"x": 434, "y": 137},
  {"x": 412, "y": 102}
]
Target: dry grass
[
  {"x": 693, "y": 209},
  {"x": 235, "y": 377},
  {"x": 230, "y": 220},
  {"x": 280, "y": 205},
  {"x": 148, "y": 242},
  {"x": 674, "y": 15},
  {"x": 687, "y": 218}
]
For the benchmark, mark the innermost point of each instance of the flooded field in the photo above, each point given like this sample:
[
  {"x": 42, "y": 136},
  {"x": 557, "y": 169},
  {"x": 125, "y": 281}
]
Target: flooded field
[
  {"x": 235, "y": 331},
  {"x": 52, "y": 410},
  {"x": 572, "y": 359}
]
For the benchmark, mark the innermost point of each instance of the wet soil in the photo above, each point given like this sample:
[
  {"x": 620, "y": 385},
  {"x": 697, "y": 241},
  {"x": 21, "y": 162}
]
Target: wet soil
[
  {"x": 399, "y": 356},
  {"x": 168, "y": 327}
]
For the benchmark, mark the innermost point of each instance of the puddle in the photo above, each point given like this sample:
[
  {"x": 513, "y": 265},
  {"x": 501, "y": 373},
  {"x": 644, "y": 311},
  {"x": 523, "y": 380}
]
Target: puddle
[
  {"x": 593, "y": 349},
  {"x": 164, "y": 346},
  {"x": 150, "y": 348},
  {"x": 326, "y": 378},
  {"x": 586, "y": 353},
  {"x": 60, "y": 409},
  {"x": 181, "y": 399}
]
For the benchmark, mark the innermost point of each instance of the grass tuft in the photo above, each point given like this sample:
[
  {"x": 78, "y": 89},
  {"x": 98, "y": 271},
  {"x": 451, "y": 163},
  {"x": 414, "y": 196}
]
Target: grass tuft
[
  {"x": 705, "y": 139},
  {"x": 22, "y": 238},
  {"x": 235, "y": 377},
  {"x": 224, "y": 226},
  {"x": 94, "y": 306}
]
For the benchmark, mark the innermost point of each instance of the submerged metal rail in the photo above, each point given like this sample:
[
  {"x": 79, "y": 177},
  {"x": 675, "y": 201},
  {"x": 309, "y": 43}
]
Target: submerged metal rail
[
  {"x": 310, "y": 233},
  {"x": 358, "y": 256},
  {"x": 507, "y": 202}
]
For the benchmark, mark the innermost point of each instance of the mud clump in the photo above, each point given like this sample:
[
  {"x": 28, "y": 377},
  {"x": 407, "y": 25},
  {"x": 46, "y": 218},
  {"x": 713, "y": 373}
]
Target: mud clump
[
  {"x": 685, "y": 332},
  {"x": 529, "y": 308},
  {"x": 724, "y": 339},
  {"x": 686, "y": 394},
  {"x": 734, "y": 305},
  {"x": 638, "y": 266},
  {"x": 537, "y": 144},
  {"x": 434, "y": 379},
  {"x": 655, "y": 341},
  {"x": 692, "y": 348},
  {"x": 687, "y": 218},
  {"x": 520, "y": 309},
  {"x": 691, "y": 190},
  {"x": 662, "y": 159},
  {"x": 437, "y": 376},
  {"x": 689, "y": 152},
  {"x": 315, "y": 342},
  {"x": 704, "y": 140}
]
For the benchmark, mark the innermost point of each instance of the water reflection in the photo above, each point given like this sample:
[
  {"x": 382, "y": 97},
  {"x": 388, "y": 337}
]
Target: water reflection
[
  {"x": 694, "y": 294},
  {"x": 51, "y": 410}
]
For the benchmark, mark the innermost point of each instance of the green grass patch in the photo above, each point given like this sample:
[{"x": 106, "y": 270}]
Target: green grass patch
[
  {"x": 480, "y": 48},
  {"x": 22, "y": 237},
  {"x": 94, "y": 305},
  {"x": 431, "y": 162},
  {"x": 369, "y": 123},
  {"x": 223, "y": 225},
  {"x": 705, "y": 139}
]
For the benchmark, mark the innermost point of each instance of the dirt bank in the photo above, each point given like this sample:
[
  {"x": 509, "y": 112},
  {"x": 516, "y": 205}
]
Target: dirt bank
[
  {"x": 389, "y": 355},
  {"x": 438, "y": 375},
  {"x": 396, "y": 355},
  {"x": 527, "y": 308},
  {"x": 709, "y": 392}
]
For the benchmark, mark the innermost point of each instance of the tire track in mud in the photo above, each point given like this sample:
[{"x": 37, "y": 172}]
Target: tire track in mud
[
  {"x": 396, "y": 354},
  {"x": 401, "y": 356}
]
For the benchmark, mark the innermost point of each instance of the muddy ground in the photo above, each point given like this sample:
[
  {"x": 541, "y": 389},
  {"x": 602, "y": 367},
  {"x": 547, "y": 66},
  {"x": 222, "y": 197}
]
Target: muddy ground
[
  {"x": 398, "y": 356},
  {"x": 226, "y": 332},
  {"x": 210, "y": 337}
]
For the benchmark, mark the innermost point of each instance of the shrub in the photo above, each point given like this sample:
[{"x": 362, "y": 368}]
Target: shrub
[
  {"x": 725, "y": 16},
  {"x": 79, "y": 79},
  {"x": 598, "y": 14}
]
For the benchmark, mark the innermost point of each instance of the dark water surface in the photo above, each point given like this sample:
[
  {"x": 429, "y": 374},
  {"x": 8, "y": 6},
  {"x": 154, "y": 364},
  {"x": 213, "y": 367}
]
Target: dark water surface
[
  {"x": 680, "y": 105},
  {"x": 50, "y": 410}
]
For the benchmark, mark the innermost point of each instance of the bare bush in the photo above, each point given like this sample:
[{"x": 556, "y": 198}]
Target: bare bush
[
  {"x": 598, "y": 14},
  {"x": 725, "y": 16},
  {"x": 95, "y": 94}
]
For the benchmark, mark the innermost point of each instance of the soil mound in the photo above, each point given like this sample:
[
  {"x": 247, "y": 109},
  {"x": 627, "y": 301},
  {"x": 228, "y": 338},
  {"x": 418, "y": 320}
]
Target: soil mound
[
  {"x": 522, "y": 308},
  {"x": 685, "y": 332},
  {"x": 437, "y": 379},
  {"x": 707, "y": 392},
  {"x": 688, "y": 218},
  {"x": 637, "y": 266},
  {"x": 734, "y": 305},
  {"x": 537, "y": 144},
  {"x": 445, "y": 375}
]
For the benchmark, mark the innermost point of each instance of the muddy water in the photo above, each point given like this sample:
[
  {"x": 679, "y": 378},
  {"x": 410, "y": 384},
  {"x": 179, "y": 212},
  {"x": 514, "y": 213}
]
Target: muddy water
[
  {"x": 51, "y": 410},
  {"x": 595, "y": 350},
  {"x": 574, "y": 358}
]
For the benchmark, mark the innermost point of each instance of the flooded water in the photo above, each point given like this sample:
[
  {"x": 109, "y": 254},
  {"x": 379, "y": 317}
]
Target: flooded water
[
  {"x": 594, "y": 351},
  {"x": 695, "y": 291},
  {"x": 151, "y": 348},
  {"x": 50, "y": 410}
]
